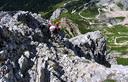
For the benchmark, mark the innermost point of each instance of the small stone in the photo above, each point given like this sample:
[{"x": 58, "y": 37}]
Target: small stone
[{"x": 27, "y": 54}]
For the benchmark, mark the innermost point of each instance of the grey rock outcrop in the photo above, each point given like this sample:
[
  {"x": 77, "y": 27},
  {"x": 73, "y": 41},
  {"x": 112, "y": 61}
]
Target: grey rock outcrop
[
  {"x": 28, "y": 54},
  {"x": 125, "y": 4},
  {"x": 57, "y": 13},
  {"x": 70, "y": 27},
  {"x": 20, "y": 32},
  {"x": 91, "y": 46}
]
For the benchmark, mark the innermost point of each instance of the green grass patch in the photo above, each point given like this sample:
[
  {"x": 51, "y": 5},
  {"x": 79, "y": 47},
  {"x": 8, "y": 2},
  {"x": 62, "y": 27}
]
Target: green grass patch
[
  {"x": 118, "y": 28},
  {"x": 75, "y": 4},
  {"x": 67, "y": 32},
  {"x": 82, "y": 25},
  {"x": 46, "y": 14},
  {"x": 122, "y": 39},
  {"x": 109, "y": 80},
  {"x": 90, "y": 12},
  {"x": 122, "y": 49},
  {"x": 117, "y": 31},
  {"x": 121, "y": 18},
  {"x": 122, "y": 61}
]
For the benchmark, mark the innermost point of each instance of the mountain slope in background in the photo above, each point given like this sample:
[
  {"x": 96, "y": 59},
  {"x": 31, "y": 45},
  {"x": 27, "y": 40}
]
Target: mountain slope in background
[{"x": 108, "y": 16}]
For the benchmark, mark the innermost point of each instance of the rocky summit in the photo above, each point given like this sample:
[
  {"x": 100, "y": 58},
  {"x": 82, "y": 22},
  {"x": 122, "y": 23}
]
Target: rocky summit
[{"x": 30, "y": 53}]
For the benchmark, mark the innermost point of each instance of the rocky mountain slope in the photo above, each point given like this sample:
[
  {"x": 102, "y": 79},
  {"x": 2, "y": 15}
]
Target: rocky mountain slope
[
  {"x": 28, "y": 53},
  {"x": 108, "y": 16}
]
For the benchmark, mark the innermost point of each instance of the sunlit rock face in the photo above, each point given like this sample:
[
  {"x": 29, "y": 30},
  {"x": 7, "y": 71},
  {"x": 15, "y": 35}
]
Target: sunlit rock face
[
  {"x": 91, "y": 46},
  {"x": 28, "y": 53},
  {"x": 20, "y": 33}
]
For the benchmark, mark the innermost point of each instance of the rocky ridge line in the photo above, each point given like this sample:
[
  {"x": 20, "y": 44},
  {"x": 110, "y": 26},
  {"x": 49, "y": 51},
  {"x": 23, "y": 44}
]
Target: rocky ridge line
[{"x": 28, "y": 53}]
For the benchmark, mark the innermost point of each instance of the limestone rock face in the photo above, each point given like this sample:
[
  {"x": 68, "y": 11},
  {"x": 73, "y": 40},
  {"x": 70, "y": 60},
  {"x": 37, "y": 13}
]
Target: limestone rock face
[
  {"x": 91, "y": 46},
  {"x": 57, "y": 13},
  {"x": 70, "y": 27},
  {"x": 20, "y": 33},
  {"x": 28, "y": 53}
]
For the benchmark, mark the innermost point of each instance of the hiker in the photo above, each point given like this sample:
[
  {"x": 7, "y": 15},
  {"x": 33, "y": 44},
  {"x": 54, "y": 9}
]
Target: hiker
[{"x": 54, "y": 28}]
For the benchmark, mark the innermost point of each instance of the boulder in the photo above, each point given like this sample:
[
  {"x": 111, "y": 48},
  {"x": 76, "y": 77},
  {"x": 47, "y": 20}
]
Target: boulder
[
  {"x": 91, "y": 46},
  {"x": 57, "y": 13}
]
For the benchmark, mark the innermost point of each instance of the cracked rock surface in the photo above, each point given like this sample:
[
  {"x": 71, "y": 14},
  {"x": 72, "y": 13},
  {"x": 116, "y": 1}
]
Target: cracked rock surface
[{"x": 28, "y": 54}]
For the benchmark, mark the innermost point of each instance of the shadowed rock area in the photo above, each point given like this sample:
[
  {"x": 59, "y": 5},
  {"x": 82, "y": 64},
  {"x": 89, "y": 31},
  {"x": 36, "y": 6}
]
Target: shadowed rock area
[{"x": 91, "y": 46}]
